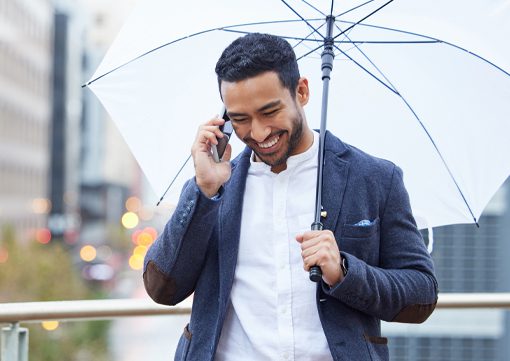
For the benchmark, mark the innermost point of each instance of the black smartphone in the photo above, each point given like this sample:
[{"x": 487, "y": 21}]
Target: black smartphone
[{"x": 226, "y": 129}]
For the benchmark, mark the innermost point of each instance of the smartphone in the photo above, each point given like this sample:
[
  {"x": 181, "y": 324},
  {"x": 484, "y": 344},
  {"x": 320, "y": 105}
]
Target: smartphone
[{"x": 226, "y": 129}]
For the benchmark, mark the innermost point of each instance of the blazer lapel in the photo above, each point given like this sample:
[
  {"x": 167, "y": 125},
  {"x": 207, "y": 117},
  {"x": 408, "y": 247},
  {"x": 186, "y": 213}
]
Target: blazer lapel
[
  {"x": 230, "y": 224},
  {"x": 334, "y": 181}
]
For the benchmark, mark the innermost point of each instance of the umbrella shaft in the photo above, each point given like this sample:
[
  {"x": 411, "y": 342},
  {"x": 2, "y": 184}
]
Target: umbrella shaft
[{"x": 327, "y": 66}]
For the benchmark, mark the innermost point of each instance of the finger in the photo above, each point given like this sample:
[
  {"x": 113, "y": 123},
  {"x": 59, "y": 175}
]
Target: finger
[
  {"x": 216, "y": 120},
  {"x": 311, "y": 250},
  {"x": 213, "y": 129},
  {"x": 227, "y": 154},
  {"x": 319, "y": 258},
  {"x": 311, "y": 234},
  {"x": 307, "y": 243},
  {"x": 206, "y": 137}
]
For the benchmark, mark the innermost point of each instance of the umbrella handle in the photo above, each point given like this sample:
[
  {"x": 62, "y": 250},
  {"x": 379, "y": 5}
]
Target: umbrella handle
[{"x": 315, "y": 272}]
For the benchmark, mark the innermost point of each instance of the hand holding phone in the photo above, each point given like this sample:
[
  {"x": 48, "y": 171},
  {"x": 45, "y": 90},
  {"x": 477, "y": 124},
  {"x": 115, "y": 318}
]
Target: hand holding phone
[{"x": 226, "y": 129}]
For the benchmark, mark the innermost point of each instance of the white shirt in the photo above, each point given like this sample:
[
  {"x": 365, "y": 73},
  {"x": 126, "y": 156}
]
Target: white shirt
[{"x": 273, "y": 313}]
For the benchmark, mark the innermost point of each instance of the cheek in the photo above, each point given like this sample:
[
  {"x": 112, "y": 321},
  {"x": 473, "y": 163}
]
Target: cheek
[{"x": 241, "y": 130}]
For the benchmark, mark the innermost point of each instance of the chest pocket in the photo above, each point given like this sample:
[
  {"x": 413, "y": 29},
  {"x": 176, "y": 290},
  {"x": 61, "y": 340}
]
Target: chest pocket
[{"x": 361, "y": 239}]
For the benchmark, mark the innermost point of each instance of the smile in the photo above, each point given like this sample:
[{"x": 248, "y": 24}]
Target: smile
[{"x": 269, "y": 143}]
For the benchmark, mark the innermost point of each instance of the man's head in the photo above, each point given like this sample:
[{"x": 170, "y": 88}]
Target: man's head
[
  {"x": 264, "y": 97},
  {"x": 255, "y": 54}
]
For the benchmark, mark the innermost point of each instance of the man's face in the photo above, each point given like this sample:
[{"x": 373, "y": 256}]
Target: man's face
[{"x": 267, "y": 118}]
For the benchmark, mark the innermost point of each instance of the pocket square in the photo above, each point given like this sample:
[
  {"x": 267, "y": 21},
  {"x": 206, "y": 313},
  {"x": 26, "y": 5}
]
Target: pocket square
[{"x": 364, "y": 223}]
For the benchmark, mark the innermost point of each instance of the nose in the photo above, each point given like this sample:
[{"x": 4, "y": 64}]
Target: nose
[{"x": 259, "y": 130}]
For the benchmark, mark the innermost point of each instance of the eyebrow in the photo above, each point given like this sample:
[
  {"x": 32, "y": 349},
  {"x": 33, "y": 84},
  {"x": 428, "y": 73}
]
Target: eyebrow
[{"x": 260, "y": 110}]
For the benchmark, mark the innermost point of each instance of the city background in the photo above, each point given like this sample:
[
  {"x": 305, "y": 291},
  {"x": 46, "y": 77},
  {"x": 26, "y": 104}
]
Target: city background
[{"x": 77, "y": 215}]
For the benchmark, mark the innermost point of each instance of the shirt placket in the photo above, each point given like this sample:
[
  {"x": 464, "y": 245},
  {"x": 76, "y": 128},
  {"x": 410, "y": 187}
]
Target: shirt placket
[{"x": 283, "y": 278}]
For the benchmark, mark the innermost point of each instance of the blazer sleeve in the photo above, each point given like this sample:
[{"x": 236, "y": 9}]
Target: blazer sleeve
[
  {"x": 403, "y": 287},
  {"x": 174, "y": 262}
]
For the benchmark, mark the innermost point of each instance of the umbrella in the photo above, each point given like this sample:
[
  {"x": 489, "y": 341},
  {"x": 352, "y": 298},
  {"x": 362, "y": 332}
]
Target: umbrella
[{"x": 423, "y": 84}]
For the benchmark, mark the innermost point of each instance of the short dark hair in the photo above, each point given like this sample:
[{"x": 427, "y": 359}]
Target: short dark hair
[{"x": 256, "y": 53}]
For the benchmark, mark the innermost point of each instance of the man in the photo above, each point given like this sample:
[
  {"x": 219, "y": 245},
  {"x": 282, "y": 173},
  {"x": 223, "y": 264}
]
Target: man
[{"x": 240, "y": 239}]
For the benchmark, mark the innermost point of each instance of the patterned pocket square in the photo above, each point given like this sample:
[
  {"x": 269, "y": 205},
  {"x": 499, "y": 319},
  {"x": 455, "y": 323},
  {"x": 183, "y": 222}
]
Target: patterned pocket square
[{"x": 364, "y": 223}]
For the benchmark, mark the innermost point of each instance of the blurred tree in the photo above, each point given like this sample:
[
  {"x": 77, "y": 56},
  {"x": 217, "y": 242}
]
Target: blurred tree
[{"x": 45, "y": 272}]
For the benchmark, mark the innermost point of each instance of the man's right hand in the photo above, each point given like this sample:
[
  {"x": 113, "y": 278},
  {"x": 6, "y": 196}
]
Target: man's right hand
[{"x": 210, "y": 176}]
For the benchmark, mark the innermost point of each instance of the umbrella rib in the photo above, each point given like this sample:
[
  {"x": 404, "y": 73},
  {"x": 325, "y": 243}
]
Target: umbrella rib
[
  {"x": 364, "y": 18},
  {"x": 280, "y": 36},
  {"x": 173, "y": 180},
  {"x": 187, "y": 37},
  {"x": 311, "y": 51},
  {"x": 395, "y": 91},
  {"x": 313, "y": 7},
  {"x": 307, "y": 38},
  {"x": 354, "y": 8},
  {"x": 387, "y": 42},
  {"x": 369, "y": 60},
  {"x": 432, "y": 40},
  {"x": 389, "y": 87},
  {"x": 302, "y": 18}
]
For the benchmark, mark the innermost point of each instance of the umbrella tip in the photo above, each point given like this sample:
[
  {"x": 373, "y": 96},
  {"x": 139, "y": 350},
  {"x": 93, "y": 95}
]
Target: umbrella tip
[{"x": 476, "y": 222}]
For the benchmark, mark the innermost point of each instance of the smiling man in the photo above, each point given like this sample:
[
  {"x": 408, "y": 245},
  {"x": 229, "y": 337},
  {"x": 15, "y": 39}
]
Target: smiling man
[{"x": 240, "y": 239}]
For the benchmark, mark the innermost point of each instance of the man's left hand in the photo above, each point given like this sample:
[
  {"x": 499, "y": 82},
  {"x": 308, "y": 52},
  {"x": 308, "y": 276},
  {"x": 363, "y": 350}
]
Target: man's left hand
[{"x": 319, "y": 248}]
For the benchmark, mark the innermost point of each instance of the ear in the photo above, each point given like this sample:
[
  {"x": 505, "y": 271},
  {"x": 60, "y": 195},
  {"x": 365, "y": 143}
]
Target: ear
[{"x": 302, "y": 91}]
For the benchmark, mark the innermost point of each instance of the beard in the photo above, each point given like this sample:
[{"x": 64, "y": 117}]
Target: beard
[{"x": 295, "y": 136}]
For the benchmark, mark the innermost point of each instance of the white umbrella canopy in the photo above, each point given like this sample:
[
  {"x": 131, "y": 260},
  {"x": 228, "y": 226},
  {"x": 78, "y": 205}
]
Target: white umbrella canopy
[{"x": 439, "y": 112}]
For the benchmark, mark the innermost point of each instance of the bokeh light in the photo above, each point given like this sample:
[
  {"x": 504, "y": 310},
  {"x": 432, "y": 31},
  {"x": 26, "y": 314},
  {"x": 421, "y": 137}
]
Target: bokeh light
[
  {"x": 130, "y": 220},
  {"x": 50, "y": 325},
  {"x": 152, "y": 232},
  {"x": 4, "y": 255},
  {"x": 144, "y": 239},
  {"x": 41, "y": 205},
  {"x": 140, "y": 250},
  {"x": 136, "y": 262},
  {"x": 134, "y": 236},
  {"x": 43, "y": 235},
  {"x": 133, "y": 204},
  {"x": 88, "y": 253},
  {"x": 146, "y": 213},
  {"x": 104, "y": 253}
]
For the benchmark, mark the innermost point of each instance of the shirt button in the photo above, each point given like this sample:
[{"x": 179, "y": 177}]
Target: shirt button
[{"x": 284, "y": 310}]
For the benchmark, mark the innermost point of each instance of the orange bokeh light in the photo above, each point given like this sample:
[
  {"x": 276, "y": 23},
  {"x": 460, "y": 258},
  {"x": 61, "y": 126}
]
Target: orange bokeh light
[
  {"x": 43, "y": 236},
  {"x": 4, "y": 255},
  {"x": 133, "y": 204},
  {"x": 144, "y": 239},
  {"x": 136, "y": 262},
  {"x": 152, "y": 232}
]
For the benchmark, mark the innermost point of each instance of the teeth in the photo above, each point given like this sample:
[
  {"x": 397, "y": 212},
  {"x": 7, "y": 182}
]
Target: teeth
[{"x": 270, "y": 143}]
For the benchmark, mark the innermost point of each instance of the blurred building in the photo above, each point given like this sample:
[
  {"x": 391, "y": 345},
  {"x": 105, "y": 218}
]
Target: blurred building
[
  {"x": 467, "y": 259},
  {"x": 26, "y": 37},
  {"x": 68, "y": 52}
]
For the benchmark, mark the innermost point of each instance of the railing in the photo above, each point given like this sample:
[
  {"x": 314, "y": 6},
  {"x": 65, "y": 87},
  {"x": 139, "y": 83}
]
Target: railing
[{"x": 14, "y": 343}]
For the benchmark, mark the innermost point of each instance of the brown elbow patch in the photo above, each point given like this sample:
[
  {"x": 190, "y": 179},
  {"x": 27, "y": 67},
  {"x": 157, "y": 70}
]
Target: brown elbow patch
[
  {"x": 376, "y": 339},
  {"x": 160, "y": 287},
  {"x": 415, "y": 313}
]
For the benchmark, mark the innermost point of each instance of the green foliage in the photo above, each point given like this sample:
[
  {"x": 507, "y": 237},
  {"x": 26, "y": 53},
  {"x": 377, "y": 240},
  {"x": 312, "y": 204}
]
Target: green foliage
[{"x": 35, "y": 272}]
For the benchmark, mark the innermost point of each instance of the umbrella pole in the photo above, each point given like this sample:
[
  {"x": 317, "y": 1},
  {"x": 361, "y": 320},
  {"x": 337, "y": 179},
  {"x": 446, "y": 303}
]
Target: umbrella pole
[{"x": 327, "y": 66}]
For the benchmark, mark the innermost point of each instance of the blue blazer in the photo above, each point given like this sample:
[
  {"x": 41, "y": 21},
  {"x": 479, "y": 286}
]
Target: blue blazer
[{"x": 390, "y": 273}]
